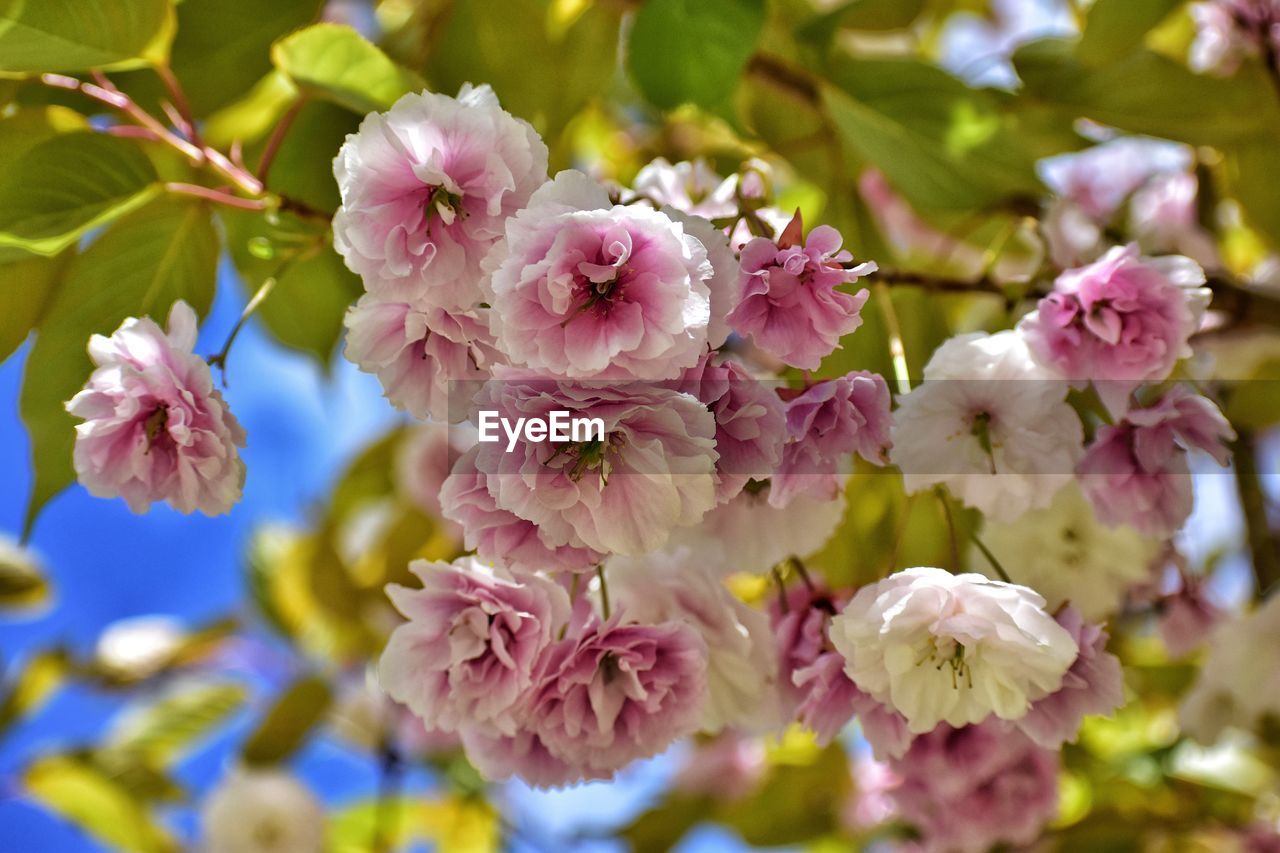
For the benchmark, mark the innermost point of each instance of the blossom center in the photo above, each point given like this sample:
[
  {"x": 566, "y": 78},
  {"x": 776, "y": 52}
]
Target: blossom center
[
  {"x": 947, "y": 652},
  {"x": 154, "y": 425},
  {"x": 444, "y": 203}
]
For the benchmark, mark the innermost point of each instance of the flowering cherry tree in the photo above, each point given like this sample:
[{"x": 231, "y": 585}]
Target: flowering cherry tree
[{"x": 910, "y": 384}]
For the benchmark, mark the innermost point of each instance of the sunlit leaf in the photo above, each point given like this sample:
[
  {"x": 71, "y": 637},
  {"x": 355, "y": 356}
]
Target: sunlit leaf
[
  {"x": 161, "y": 732},
  {"x": 289, "y": 722},
  {"x": 66, "y": 185},
  {"x": 76, "y": 35},
  {"x": 29, "y": 688},
  {"x": 337, "y": 63},
  {"x": 98, "y": 804},
  {"x": 692, "y": 51}
]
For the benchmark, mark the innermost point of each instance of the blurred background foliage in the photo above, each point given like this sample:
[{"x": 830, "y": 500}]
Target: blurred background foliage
[{"x": 95, "y": 227}]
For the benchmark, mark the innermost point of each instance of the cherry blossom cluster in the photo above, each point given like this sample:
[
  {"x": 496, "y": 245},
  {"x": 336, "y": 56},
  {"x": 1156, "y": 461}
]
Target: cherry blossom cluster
[{"x": 590, "y": 624}]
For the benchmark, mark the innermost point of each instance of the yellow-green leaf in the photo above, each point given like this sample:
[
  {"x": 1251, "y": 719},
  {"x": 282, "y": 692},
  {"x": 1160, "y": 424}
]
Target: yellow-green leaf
[
  {"x": 78, "y": 35},
  {"x": 97, "y": 803},
  {"x": 66, "y": 185},
  {"x": 337, "y": 63},
  {"x": 287, "y": 725}
]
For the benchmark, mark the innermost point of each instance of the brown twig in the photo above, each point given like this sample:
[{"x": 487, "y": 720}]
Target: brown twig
[{"x": 277, "y": 139}]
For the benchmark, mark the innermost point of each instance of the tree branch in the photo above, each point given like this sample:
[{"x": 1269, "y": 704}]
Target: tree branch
[{"x": 1264, "y": 543}]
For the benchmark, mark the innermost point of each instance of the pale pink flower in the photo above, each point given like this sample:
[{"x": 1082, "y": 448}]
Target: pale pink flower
[
  {"x": 749, "y": 534},
  {"x": 972, "y": 788},
  {"x": 937, "y": 647},
  {"x": 1093, "y": 685},
  {"x": 416, "y": 351},
  {"x": 584, "y": 289},
  {"x": 426, "y": 188},
  {"x": 989, "y": 424},
  {"x": 500, "y": 537},
  {"x": 1119, "y": 322},
  {"x": 1187, "y": 618},
  {"x": 1136, "y": 471},
  {"x": 613, "y": 693},
  {"x": 1163, "y": 217},
  {"x": 1227, "y": 31},
  {"x": 750, "y": 421},
  {"x": 690, "y": 186},
  {"x": 524, "y": 755},
  {"x": 825, "y": 424},
  {"x": 790, "y": 306},
  {"x": 694, "y": 188},
  {"x": 653, "y": 472},
  {"x": 474, "y": 639},
  {"x": 727, "y": 767},
  {"x": 155, "y": 428},
  {"x": 742, "y": 665},
  {"x": 422, "y": 464},
  {"x": 265, "y": 810}
]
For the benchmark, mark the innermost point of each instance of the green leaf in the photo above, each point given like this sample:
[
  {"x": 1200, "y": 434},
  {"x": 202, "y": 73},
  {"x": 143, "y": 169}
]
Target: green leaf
[
  {"x": 1117, "y": 27},
  {"x": 161, "y": 733},
  {"x": 22, "y": 585},
  {"x": 78, "y": 35},
  {"x": 1251, "y": 168},
  {"x": 67, "y": 185},
  {"x": 163, "y": 252},
  {"x": 313, "y": 288},
  {"x": 871, "y": 15},
  {"x": 1148, "y": 93},
  {"x": 253, "y": 116},
  {"x": 692, "y": 51},
  {"x": 286, "y": 726},
  {"x": 224, "y": 46},
  {"x": 26, "y": 288},
  {"x": 941, "y": 144},
  {"x": 95, "y": 802},
  {"x": 337, "y": 63},
  {"x": 41, "y": 676},
  {"x": 544, "y": 67}
]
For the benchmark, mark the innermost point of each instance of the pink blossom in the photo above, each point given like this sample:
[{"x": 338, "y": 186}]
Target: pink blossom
[
  {"x": 790, "y": 306},
  {"x": 728, "y": 767},
  {"x": 426, "y": 188},
  {"x": 800, "y": 633},
  {"x": 823, "y": 697},
  {"x": 750, "y": 422},
  {"x": 469, "y": 652},
  {"x": 1164, "y": 217},
  {"x": 583, "y": 289},
  {"x": 1119, "y": 322},
  {"x": 525, "y": 755},
  {"x": 827, "y": 422},
  {"x": 1227, "y": 31},
  {"x": 653, "y": 472},
  {"x": 417, "y": 350},
  {"x": 829, "y": 697},
  {"x": 154, "y": 426},
  {"x": 500, "y": 537},
  {"x": 618, "y": 692},
  {"x": 1187, "y": 618},
  {"x": 1136, "y": 471},
  {"x": 1093, "y": 685},
  {"x": 971, "y": 788}
]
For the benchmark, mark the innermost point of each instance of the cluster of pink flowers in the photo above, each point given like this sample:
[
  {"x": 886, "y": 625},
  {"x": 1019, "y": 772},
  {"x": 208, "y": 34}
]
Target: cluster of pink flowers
[{"x": 492, "y": 288}]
